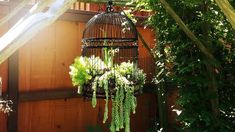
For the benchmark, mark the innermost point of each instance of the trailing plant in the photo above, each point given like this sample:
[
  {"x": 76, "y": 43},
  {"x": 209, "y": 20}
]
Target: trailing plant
[{"x": 119, "y": 83}]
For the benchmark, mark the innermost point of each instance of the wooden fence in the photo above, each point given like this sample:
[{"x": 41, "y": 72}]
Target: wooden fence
[{"x": 36, "y": 78}]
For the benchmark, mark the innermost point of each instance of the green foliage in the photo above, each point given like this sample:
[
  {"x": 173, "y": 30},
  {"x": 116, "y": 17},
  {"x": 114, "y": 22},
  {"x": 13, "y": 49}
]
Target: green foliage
[
  {"x": 127, "y": 78},
  {"x": 127, "y": 111},
  {"x": 78, "y": 72},
  {"x": 121, "y": 100},
  {"x": 83, "y": 68},
  {"x": 188, "y": 69},
  {"x": 124, "y": 100}
]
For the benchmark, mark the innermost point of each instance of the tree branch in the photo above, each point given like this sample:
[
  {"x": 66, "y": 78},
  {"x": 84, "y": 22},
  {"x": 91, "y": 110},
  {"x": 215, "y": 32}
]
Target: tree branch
[{"x": 187, "y": 31}]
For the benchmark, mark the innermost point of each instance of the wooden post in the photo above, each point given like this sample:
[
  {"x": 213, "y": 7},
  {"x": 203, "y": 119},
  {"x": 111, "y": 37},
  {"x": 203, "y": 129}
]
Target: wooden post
[
  {"x": 162, "y": 106},
  {"x": 228, "y": 11},
  {"x": 12, "y": 91}
]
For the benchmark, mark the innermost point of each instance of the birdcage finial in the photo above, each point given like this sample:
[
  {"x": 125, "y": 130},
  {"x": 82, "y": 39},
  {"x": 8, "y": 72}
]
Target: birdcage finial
[{"x": 109, "y": 6}]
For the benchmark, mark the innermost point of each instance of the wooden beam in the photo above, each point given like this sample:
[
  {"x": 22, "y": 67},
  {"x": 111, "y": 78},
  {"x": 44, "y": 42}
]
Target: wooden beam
[
  {"x": 19, "y": 6},
  {"x": 21, "y": 33},
  {"x": 187, "y": 31},
  {"x": 74, "y": 15},
  {"x": 80, "y": 15},
  {"x": 228, "y": 11},
  {"x": 5, "y": 3},
  {"x": 85, "y": 16},
  {"x": 12, "y": 91},
  {"x": 63, "y": 93},
  {"x": 115, "y": 2},
  {"x": 77, "y": 15}
]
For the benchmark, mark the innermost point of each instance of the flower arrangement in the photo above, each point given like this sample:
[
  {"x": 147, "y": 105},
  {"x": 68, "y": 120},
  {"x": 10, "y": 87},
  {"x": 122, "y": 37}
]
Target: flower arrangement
[{"x": 119, "y": 82}]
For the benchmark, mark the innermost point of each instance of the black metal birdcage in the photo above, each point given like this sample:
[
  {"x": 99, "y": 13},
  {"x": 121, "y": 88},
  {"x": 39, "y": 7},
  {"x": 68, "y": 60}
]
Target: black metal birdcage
[{"x": 110, "y": 30}]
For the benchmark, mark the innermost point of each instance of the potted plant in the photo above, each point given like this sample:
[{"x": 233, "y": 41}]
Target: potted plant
[{"x": 118, "y": 82}]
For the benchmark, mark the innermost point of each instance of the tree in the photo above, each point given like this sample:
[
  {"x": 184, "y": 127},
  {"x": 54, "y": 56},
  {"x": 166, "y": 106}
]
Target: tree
[{"x": 203, "y": 82}]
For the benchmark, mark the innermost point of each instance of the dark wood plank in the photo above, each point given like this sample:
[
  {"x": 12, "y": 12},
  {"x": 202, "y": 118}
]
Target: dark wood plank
[
  {"x": 13, "y": 84},
  {"x": 63, "y": 93}
]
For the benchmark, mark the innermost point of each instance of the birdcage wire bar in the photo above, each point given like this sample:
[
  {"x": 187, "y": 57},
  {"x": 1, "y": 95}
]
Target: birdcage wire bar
[{"x": 112, "y": 30}]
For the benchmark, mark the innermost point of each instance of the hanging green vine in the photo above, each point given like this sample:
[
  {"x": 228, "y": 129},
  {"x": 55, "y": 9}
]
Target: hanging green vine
[
  {"x": 94, "y": 87},
  {"x": 106, "y": 88},
  {"x": 127, "y": 108},
  {"x": 121, "y": 100}
]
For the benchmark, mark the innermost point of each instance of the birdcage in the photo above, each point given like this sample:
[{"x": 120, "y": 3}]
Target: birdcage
[{"x": 114, "y": 34}]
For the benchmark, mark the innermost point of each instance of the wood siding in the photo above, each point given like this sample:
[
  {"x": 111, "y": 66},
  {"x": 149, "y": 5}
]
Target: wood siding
[
  {"x": 4, "y": 70},
  {"x": 44, "y": 65}
]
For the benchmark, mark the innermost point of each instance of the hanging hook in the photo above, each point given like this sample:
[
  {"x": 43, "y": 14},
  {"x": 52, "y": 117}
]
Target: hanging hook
[{"x": 109, "y": 6}]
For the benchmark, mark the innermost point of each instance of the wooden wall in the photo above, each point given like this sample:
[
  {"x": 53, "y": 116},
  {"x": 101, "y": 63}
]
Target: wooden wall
[
  {"x": 3, "y": 69},
  {"x": 44, "y": 65}
]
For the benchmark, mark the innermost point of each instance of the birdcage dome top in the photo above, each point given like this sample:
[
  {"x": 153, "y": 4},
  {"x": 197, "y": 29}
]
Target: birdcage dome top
[{"x": 110, "y": 27}]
